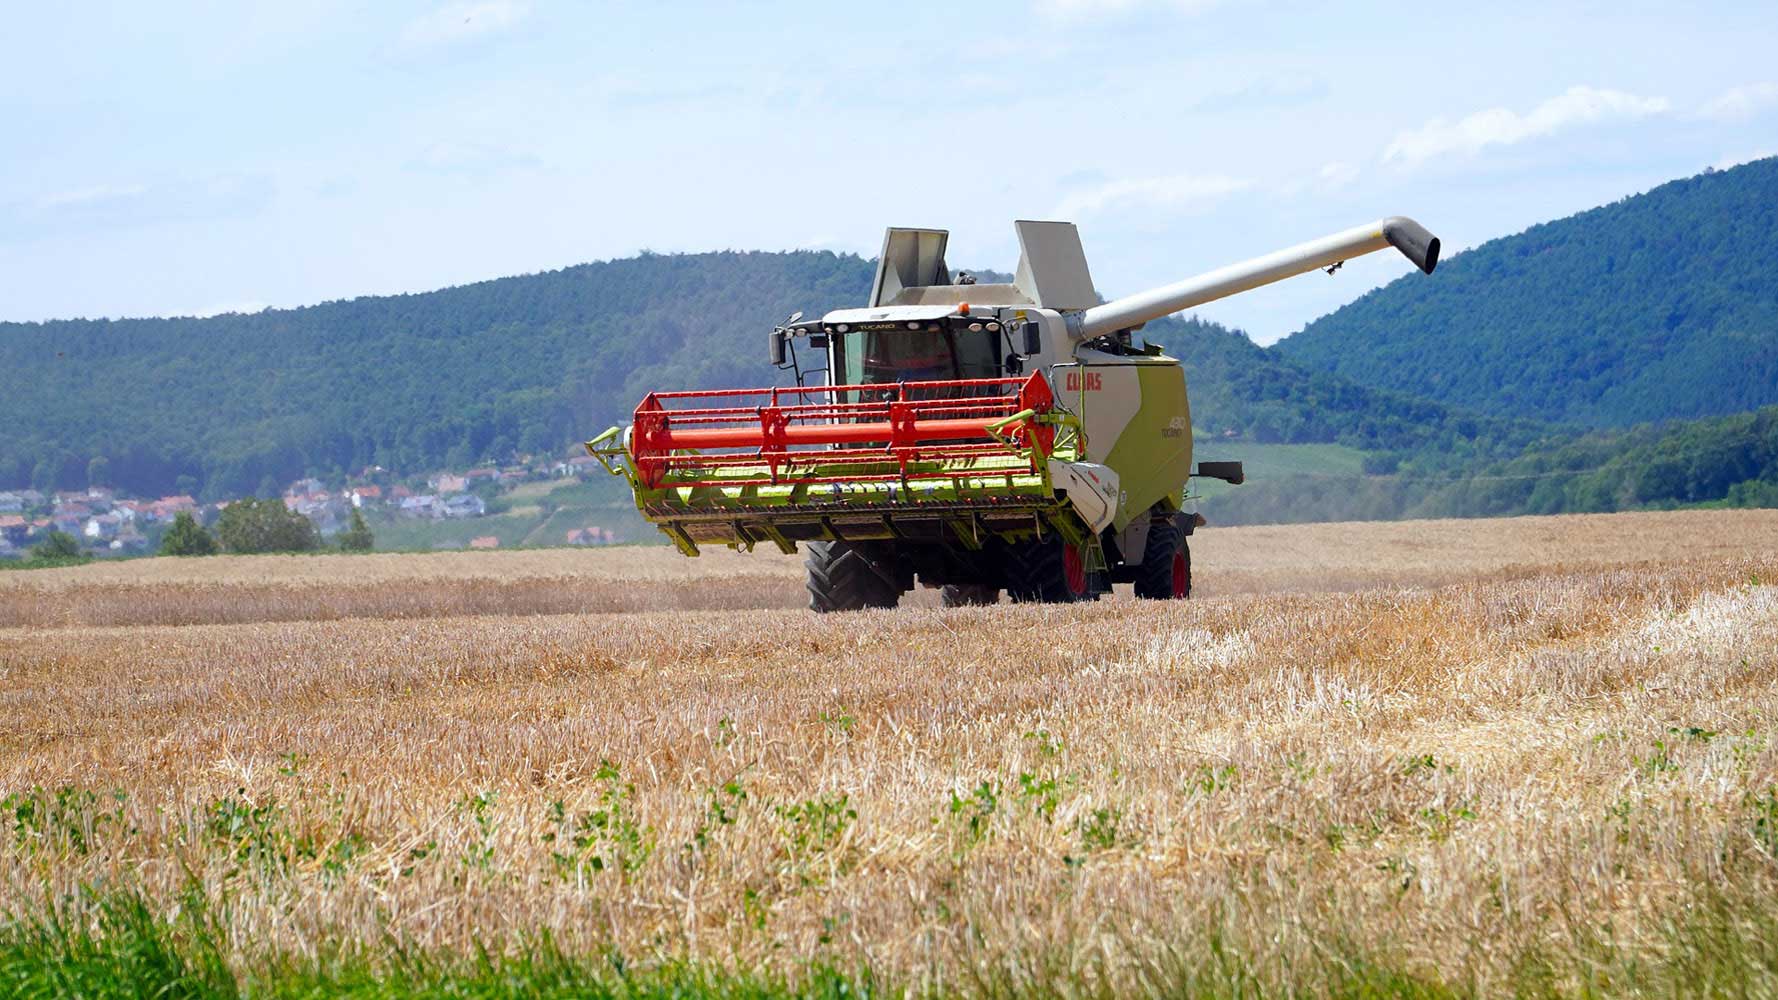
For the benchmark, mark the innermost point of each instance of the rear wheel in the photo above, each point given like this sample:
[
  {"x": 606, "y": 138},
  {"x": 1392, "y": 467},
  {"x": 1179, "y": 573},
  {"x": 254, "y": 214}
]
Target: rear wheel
[
  {"x": 850, "y": 576},
  {"x": 963, "y": 595},
  {"x": 1166, "y": 570},
  {"x": 1049, "y": 571}
]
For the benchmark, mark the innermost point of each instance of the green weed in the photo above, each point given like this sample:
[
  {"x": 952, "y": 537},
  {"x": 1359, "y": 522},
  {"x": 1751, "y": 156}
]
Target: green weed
[
  {"x": 606, "y": 837},
  {"x": 1659, "y": 761},
  {"x": 1765, "y": 821},
  {"x": 975, "y": 811},
  {"x": 1048, "y": 746},
  {"x": 1041, "y": 794},
  {"x": 812, "y": 831},
  {"x": 839, "y": 721},
  {"x": 1425, "y": 764},
  {"x": 1208, "y": 780},
  {"x": 479, "y": 854},
  {"x": 69, "y": 819},
  {"x": 1098, "y": 829},
  {"x": 252, "y": 833},
  {"x": 1439, "y": 824},
  {"x": 815, "y": 825},
  {"x": 722, "y": 807}
]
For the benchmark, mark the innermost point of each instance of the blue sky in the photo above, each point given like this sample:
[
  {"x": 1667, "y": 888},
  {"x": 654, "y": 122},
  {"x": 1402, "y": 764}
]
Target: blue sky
[{"x": 191, "y": 158}]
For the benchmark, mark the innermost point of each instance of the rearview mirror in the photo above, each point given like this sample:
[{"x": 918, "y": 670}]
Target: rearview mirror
[
  {"x": 780, "y": 349},
  {"x": 1033, "y": 340}
]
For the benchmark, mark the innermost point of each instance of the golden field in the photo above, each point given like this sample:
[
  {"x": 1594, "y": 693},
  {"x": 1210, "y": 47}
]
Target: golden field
[{"x": 1478, "y": 750}]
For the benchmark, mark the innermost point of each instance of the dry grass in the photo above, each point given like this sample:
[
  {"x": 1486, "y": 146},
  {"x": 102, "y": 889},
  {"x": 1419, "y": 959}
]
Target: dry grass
[
  {"x": 1543, "y": 731},
  {"x": 241, "y": 589}
]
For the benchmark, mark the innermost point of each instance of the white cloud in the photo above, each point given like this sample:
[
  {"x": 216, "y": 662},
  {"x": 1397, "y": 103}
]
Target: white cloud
[
  {"x": 460, "y": 22},
  {"x": 1741, "y": 103},
  {"x": 79, "y": 200},
  {"x": 123, "y": 206},
  {"x": 1176, "y": 191},
  {"x": 1337, "y": 175},
  {"x": 1505, "y": 127}
]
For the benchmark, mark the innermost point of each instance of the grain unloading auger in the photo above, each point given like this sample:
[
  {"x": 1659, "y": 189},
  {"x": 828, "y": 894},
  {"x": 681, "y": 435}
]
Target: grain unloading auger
[{"x": 975, "y": 437}]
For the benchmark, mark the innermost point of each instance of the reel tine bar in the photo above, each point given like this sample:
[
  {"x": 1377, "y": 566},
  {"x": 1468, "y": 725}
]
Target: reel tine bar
[{"x": 918, "y": 430}]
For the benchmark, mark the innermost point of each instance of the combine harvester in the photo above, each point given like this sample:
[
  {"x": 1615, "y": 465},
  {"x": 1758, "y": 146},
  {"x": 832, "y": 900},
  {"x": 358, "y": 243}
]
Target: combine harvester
[{"x": 975, "y": 437}]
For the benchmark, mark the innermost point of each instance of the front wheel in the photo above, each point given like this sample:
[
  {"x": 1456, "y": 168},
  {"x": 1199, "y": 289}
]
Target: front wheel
[
  {"x": 1049, "y": 571},
  {"x": 851, "y": 576}
]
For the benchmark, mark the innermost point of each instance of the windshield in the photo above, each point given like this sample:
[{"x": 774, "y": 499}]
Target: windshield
[{"x": 875, "y": 357}]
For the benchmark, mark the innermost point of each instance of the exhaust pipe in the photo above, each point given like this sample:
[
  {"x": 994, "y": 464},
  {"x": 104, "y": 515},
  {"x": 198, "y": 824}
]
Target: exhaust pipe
[{"x": 1131, "y": 311}]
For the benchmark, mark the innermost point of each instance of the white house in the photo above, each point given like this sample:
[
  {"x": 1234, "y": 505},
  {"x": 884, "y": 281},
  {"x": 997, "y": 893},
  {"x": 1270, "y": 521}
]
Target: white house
[{"x": 102, "y": 527}]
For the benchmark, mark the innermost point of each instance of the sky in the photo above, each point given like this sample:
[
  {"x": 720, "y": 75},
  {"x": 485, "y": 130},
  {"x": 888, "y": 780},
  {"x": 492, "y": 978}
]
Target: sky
[{"x": 196, "y": 158}]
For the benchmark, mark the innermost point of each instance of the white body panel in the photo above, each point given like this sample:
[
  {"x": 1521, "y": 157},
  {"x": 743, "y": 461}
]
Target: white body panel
[
  {"x": 890, "y": 314},
  {"x": 1091, "y": 488}
]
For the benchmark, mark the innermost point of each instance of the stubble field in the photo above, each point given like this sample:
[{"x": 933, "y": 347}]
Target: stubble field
[{"x": 1529, "y": 755}]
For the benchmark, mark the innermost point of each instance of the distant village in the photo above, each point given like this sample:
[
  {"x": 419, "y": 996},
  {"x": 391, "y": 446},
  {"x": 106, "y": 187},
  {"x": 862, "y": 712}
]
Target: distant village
[{"x": 107, "y": 523}]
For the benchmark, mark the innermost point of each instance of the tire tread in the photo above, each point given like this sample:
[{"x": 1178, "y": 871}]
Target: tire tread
[{"x": 851, "y": 576}]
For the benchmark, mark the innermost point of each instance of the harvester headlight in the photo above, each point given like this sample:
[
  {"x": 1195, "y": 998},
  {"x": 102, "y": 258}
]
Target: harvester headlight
[
  {"x": 913, "y": 326},
  {"x": 841, "y": 328},
  {"x": 975, "y": 328},
  {"x": 992, "y": 326}
]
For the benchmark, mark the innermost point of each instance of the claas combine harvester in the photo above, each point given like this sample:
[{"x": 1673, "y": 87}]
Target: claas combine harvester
[{"x": 975, "y": 437}]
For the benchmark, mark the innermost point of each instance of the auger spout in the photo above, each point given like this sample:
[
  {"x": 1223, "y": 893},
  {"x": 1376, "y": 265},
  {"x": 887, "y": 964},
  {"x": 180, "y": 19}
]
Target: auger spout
[{"x": 1131, "y": 311}]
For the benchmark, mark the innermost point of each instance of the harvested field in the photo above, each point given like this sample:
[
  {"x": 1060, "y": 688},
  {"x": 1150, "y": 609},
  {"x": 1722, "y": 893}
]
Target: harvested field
[
  {"x": 1306, "y": 558},
  {"x": 1532, "y": 754}
]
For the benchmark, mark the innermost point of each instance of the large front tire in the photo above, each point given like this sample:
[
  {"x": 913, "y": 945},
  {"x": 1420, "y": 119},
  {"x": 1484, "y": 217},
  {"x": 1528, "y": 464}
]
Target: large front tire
[
  {"x": 851, "y": 576},
  {"x": 1049, "y": 572}
]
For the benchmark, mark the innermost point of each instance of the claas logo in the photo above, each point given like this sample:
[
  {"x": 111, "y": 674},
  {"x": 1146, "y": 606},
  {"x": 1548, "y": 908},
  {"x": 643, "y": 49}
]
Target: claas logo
[{"x": 1093, "y": 382}]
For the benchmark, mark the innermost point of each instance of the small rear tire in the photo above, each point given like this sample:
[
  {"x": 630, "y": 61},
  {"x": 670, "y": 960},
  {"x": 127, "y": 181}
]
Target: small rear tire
[
  {"x": 851, "y": 576},
  {"x": 965, "y": 595},
  {"x": 1166, "y": 570}
]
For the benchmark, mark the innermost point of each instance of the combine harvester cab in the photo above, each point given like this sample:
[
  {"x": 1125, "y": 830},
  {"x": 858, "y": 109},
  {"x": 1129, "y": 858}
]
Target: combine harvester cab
[{"x": 975, "y": 437}]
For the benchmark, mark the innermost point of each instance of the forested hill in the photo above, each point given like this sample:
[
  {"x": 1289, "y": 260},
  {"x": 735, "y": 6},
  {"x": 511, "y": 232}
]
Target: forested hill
[
  {"x": 447, "y": 379},
  {"x": 411, "y": 382},
  {"x": 1659, "y": 306}
]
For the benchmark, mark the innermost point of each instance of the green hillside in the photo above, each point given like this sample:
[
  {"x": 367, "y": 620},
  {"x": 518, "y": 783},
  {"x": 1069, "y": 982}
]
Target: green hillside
[{"x": 1663, "y": 305}]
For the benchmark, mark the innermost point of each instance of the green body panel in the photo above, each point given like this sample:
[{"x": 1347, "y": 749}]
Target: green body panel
[{"x": 1138, "y": 424}]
